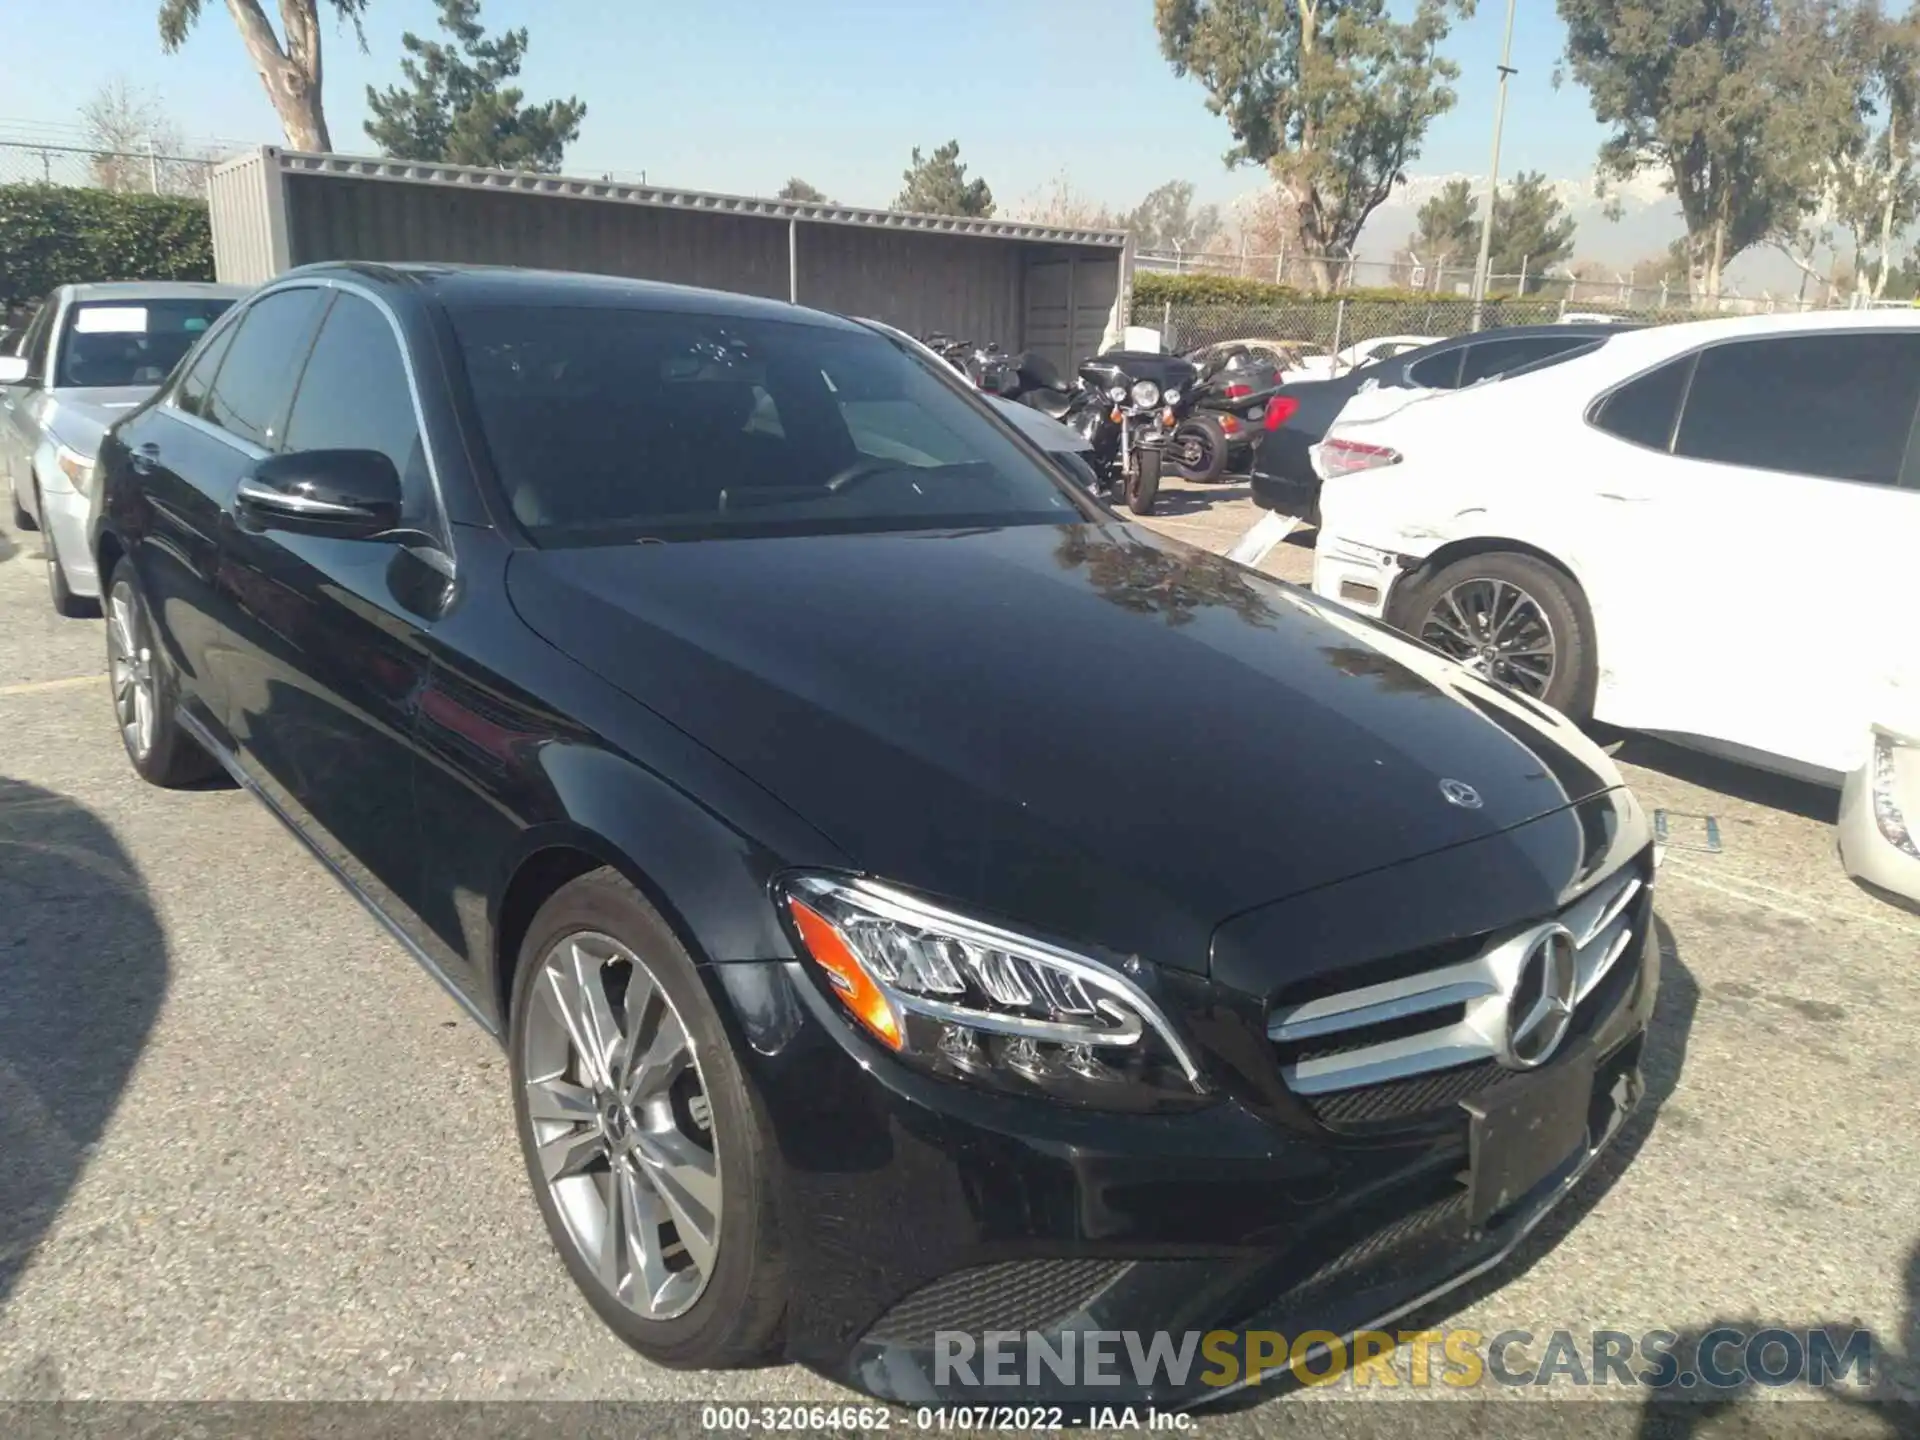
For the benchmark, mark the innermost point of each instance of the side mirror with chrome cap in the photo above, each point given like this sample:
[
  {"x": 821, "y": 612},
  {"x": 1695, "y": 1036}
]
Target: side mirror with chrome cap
[{"x": 349, "y": 494}]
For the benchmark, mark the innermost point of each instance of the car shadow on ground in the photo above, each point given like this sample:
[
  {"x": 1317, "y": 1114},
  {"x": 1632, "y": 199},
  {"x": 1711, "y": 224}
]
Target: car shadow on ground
[
  {"x": 1727, "y": 777},
  {"x": 1880, "y": 1397},
  {"x": 83, "y": 971}
]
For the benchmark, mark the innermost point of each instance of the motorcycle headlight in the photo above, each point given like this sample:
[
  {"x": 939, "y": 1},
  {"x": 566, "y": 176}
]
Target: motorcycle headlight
[
  {"x": 1145, "y": 393},
  {"x": 1172, "y": 397},
  {"x": 971, "y": 1001},
  {"x": 1117, "y": 394}
]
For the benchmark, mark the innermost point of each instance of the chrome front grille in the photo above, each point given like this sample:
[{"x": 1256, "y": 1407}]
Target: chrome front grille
[{"x": 1452, "y": 1015}]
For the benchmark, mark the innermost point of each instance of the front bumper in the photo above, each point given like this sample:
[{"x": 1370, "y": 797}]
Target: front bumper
[
  {"x": 67, "y": 515},
  {"x": 914, "y": 1207},
  {"x": 1870, "y": 855},
  {"x": 1360, "y": 577}
]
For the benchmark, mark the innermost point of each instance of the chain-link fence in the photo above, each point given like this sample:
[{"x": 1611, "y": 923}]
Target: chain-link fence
[
  {"x": 143, "y": 170},
  {"x": 1583, "y": 286},
  {"x": 1335, "y": 322}
]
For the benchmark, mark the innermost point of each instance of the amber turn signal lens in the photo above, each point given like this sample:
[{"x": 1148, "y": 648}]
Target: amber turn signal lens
[{"x": 852, "y": 983}]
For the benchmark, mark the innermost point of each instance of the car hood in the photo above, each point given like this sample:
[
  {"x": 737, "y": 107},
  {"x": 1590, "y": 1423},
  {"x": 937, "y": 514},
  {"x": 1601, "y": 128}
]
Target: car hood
[
  {"x": 80, "y": 416},
  {"x": 1088, "y": 730}
]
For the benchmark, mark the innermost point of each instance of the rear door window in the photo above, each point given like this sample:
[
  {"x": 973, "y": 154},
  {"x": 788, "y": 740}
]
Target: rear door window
[
  {"x": 1837, "y": 406},
  {"x": 1438, "y": 372},
  {"x": 36, "y": 343},
  {"x": 191, "y": 394},
  {"x": 1497, "y": 357},
  {"x": 255, "y": 384},
  {"x": 1643, "y": 410}
]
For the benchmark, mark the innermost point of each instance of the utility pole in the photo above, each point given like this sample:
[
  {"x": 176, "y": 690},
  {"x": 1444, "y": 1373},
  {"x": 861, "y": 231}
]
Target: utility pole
[{"x": 1493, "y": 173}]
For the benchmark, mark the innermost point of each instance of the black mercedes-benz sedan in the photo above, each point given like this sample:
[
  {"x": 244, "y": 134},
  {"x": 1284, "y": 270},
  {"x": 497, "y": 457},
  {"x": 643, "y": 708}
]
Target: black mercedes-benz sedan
[{"x": 914, "y": 902}]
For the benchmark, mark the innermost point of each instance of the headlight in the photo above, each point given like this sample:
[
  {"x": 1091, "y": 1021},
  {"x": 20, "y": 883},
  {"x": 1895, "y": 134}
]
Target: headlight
[
  {"x": 1888, "y": 753},
  {"x": 973, "y": 1002},
  {"x": 1145, "y": 393},
  {"x": 76, "y": 467},
  {"x": 1172, "y": 397},
  {"x": 1117, "y": 394}
]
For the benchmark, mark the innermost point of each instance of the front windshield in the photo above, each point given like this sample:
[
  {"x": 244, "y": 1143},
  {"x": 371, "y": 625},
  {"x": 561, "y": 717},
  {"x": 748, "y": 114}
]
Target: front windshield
[
  {"x": 609, "y": 425},
  {"x": 130, "y": 342}
]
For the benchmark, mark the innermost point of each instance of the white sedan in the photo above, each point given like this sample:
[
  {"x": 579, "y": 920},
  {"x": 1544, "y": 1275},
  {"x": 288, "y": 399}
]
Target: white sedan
[
  {"x": 1354, "y": 357},
  {"x": 1705, "y": 530}
]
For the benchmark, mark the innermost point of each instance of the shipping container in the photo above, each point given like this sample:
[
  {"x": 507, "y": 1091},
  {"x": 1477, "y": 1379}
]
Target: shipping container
[{"x": 1060, "y": 292}]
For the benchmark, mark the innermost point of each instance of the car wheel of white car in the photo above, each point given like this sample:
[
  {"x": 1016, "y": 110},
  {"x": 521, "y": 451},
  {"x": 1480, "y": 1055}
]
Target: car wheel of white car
[
  {"x": 1512, "y": 618},
  {"x": 21, "y": 519}
]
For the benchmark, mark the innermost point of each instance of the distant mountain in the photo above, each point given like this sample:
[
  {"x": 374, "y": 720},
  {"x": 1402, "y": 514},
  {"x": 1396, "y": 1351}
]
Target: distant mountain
[{"x": 1649, "y": 221}]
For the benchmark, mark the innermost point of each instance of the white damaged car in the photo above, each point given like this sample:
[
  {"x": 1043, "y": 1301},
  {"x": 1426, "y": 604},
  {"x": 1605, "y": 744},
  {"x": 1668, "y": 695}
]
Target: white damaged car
[{"x": 1707, "y": 531}]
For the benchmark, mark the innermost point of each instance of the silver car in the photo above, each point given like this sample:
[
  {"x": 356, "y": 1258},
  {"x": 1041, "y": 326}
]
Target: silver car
[{"x": 92, "y": 353}]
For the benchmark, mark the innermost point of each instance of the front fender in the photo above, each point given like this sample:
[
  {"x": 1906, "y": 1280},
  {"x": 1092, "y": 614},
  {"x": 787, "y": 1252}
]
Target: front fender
[{"x": 706, "y": 876}]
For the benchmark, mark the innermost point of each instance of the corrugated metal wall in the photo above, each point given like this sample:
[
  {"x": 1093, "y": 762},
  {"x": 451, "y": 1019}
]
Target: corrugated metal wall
[
  {"x": 273, "y": 210},
  {"x": 1069, "y": 303},
  {"x": 966, "y": 286},
  {"x": 333, "y": 218},
  {"x": 242, "y": 220}
]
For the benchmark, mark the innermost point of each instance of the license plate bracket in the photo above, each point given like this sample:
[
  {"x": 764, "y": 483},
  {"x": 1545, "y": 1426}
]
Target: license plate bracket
[{"x": 1520, "y": 1137}]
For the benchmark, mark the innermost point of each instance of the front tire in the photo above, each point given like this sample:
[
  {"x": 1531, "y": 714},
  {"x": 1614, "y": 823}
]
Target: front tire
[
  {"x": 1514, "y": 618},
  {"x": 1143, "y": 485},
  {"x": 21, "y": 519},
  {"x": 146, "y": 692},
  {"x": 647, "y": 1154}
]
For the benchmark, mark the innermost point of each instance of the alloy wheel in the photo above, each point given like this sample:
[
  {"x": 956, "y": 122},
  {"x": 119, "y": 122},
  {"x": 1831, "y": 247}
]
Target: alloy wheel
[
  {"x": 1495, "y": 629},
  {"x": 130, "y": 661},
  {"x": 1196, "y": 452},
  {"x": 622, "y": 1125}
]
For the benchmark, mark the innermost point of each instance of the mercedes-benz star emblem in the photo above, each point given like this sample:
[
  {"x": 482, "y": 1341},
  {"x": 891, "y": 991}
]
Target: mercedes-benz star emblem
[
  {"x": 1541, "y": 1006},
  {"x": 1458, "y": 792}
]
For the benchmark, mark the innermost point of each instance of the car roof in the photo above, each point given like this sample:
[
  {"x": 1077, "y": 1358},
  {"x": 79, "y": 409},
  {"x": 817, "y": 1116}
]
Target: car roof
[
  {"x": 155, "y": 290},
  {"x": 498, "y": 285},
  {"x": 1653, "y": 342}
]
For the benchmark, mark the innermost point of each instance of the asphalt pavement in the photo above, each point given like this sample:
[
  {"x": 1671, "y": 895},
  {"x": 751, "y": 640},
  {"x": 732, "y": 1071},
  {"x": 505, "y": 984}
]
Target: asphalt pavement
[{"x": 248, "y": 1151}]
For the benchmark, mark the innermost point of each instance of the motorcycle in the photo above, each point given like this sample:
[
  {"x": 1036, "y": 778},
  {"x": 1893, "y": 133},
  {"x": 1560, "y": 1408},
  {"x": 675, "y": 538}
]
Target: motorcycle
[
  {"x": 988, "y": 366},
  {"x": 1126, "y": 418}
]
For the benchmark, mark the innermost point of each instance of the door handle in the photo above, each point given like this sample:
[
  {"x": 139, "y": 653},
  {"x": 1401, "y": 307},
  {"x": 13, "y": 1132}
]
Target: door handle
[
  {"x": 1623, "y": 499},
  {"x": 144, "y": 458}
]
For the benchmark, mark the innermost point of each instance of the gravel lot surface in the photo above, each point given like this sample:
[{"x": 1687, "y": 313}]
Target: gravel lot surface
[{"x": 248, "y": 1151}]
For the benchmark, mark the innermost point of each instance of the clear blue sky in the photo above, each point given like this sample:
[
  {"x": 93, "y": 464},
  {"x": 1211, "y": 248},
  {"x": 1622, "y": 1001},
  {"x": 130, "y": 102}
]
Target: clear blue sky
[{"x": 736, "y": 95}]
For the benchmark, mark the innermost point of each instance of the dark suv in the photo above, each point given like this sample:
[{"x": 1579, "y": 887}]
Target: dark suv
[{"x": 911, "y": 900}]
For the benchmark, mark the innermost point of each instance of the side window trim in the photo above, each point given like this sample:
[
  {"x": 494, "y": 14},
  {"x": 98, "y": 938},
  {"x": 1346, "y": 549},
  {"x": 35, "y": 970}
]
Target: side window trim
[{"x": 1686, "y": 394}]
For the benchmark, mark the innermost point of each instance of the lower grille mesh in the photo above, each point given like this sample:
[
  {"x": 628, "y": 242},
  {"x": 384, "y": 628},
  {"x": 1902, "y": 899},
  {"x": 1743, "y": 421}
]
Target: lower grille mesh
[
  {"x": 1400, "y": 1099},
  {"x": 1018, "y": 1295}
]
